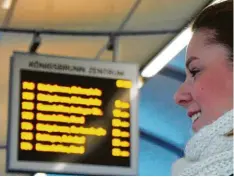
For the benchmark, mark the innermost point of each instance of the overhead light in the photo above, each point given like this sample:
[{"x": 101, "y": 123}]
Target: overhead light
[
  {"x": 216, "y": 1},
  {"x": 6, "y": 4},
  {"x": 168, "y": 53}
]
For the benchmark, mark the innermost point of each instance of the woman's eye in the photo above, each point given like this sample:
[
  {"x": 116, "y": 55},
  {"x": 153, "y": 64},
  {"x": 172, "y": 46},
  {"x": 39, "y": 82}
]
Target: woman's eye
[{"x": 194, "y": 72}]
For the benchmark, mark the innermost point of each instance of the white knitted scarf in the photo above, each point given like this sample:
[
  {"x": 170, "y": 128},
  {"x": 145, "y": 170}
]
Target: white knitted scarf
[{"x": 209, "y": 152}]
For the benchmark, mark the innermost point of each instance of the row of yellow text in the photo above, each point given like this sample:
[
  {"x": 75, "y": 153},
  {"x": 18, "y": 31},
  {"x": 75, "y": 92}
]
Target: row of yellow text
[
  {"x": 120, "y": 153},
  {"x": 119, "y": 123},
  {"x": 27, "y": 146},
  {"x": 118, "y": 143},
  {"x": 120, "y": 114},
  {"x": 53, "y": 118},
  {"x": 71, "y": 129},
  {"x": 60, "y": 148},
  {"x": 44, "y": 137},
  {"x": 60, "y": 139},
  {"x": 124, "y": 84},
  {"x": 61, "y": 89},
  {"x": 62, "y": 99},
  {"x": 61, "y": 118},
  {"x": 62, "y": 108},
  {"x": 118, "y": 133}
]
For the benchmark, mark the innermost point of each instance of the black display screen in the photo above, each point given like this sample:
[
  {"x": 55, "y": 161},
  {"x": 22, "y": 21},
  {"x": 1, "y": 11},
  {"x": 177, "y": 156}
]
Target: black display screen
[{"x": 74, "y": 119}]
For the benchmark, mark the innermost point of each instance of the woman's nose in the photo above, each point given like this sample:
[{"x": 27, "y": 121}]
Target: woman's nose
[{"x": 183, "y": 95}]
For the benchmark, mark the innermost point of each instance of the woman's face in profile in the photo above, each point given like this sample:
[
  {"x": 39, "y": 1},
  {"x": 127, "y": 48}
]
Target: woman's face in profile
[{"x": 207, "y": 92}]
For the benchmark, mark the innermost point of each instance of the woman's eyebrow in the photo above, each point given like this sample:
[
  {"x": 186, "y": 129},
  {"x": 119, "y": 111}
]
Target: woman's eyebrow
[{"x": 189, "y": 60}]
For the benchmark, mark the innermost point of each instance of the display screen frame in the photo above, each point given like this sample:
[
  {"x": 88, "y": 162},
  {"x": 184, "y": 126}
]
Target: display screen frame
[{"x": 114, "y": 70}]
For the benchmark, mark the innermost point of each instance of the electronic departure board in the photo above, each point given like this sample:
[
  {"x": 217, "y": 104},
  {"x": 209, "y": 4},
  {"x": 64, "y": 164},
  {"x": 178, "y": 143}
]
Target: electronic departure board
[{"x": 73, "y": 116}]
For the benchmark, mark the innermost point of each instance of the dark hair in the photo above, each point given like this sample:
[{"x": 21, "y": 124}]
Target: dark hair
[{"x": 219, "y": 18}]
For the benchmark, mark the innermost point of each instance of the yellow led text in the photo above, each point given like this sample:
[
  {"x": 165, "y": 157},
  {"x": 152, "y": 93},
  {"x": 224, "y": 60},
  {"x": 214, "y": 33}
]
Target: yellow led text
[
  {"x": 117, "y": 152},
  {"x": 26, "y": 126},
  {"x": 121, "y": 114},
  {"x": 119, "y": 123},
  {"x": 119, "y": 133},
  {"x": 60, "y": 139},
  {"x": 27, "y": 115},
  {"x": 26, "y": 146},
  {"x": 122, "y": 104},
  {"x": 28, "y": 96},
  {"x": 60, "y": 118},
  {"x": 27, "y": 105},
  {"x": 72, "y": 129},
  {"x": 84, "y": 91},
  {"x": 70, "y": 100},
  {"x": 26, "y": 135},
  {"x": 69, "y": 109},
  {"x": 118, "y": 143},
  {"x": 123, "y": 84},
  {"x": 28, "y": 85},
  {"x": 69, "y": 90},
  {"x": 60, "y": 148}
]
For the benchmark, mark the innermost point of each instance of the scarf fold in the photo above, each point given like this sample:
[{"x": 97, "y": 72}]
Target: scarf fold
[{"x": 209, "y": 151}]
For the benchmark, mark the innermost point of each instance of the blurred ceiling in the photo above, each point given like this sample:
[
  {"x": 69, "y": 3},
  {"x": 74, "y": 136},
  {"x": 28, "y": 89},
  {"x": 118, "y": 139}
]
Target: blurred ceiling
[{"x": 101, "y": 15}]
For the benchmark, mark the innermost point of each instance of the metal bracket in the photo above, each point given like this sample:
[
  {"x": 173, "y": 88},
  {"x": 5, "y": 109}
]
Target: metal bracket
[
  {"x": 111, "y": 43},
  {"x": 35, "y": 43}
]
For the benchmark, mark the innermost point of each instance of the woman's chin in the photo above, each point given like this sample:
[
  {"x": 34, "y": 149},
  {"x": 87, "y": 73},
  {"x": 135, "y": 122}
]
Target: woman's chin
[{"x": 196, "y": 125}]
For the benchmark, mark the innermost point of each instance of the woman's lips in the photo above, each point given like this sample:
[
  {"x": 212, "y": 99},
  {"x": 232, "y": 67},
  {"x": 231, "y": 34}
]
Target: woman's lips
[{"x": 191, "y": 113}]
